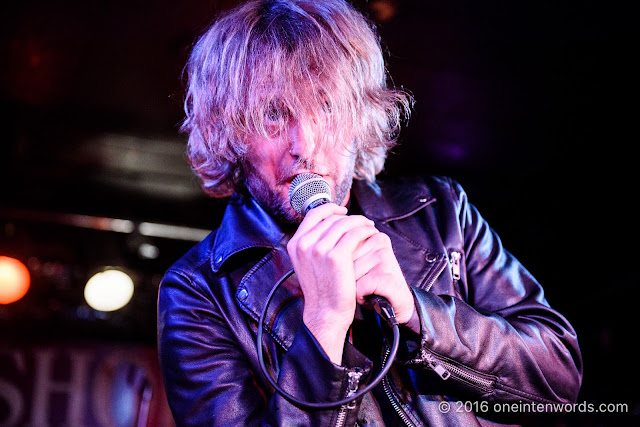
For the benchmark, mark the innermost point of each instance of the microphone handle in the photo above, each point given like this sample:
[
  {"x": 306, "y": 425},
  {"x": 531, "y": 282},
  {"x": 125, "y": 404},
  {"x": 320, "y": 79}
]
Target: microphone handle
[{"x": 383, "y": 307}]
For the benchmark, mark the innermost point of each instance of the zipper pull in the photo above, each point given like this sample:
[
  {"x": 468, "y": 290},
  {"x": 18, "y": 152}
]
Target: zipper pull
[
  {"x": 437, "y": 367},
  {"x": 352, "y": 386},
  {"x": 455, "y": 265}
]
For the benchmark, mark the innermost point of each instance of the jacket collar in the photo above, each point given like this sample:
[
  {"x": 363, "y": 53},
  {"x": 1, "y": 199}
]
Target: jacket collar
[
  {"x": 244, "y": 225},
  {"x": 387, "y": 201}
]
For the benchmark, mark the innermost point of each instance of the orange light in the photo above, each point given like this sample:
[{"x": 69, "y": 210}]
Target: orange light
[{"x": 14, "y": 280}]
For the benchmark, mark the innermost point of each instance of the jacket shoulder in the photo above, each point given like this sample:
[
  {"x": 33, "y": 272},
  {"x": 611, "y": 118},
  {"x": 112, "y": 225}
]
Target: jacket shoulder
[
  {"x": 199, "y": 255},
  {"x": 393, "y": 197},
  {"x": 437, "y": 186}
]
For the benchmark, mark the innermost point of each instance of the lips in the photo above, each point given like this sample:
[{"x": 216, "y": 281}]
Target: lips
[{"x": 290, "y": 178}]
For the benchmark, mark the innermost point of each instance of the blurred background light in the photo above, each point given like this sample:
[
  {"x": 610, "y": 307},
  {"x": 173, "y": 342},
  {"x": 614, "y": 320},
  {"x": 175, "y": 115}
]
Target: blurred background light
[
  {"x": 14, "y": 280},
  {"x": 148, "y": 251},
  {"x": 109, "y": 290}
]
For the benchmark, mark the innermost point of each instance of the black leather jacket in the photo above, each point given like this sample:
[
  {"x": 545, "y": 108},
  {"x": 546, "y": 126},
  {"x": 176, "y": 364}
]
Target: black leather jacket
[{"x": 488, "y": 334}]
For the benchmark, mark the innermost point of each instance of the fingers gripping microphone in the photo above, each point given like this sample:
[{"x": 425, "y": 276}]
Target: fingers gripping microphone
[{"x": 308, "y": 191}]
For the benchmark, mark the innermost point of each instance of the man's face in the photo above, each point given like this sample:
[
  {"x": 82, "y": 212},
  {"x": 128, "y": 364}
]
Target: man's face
[{"x": 271, "y": 164}]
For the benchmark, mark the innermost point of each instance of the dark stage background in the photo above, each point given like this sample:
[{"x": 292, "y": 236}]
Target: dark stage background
[{"x": 528, "y": 104}]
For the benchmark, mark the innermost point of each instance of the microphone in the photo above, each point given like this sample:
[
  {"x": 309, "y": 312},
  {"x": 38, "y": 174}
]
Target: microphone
[{"x": 308, "y": 191}]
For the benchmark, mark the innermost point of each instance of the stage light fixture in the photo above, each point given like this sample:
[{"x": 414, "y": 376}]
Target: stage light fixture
[
  {"x": 14, "y": 280},
  {"x": 109, "y": 290}
]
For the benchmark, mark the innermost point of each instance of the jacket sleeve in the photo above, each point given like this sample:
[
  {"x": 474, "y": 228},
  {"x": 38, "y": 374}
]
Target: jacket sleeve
[
  {"x": 501, "y": 341},
  {"x": 211, "y": 379}
]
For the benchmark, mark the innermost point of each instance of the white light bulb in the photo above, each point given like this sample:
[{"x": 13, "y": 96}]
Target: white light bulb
[{"x": 109, "y": 290}]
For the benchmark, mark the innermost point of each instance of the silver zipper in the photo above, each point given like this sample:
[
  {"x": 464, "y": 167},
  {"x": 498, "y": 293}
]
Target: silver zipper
[
  {"x": 446, "y": 369},
  {"x": 455, "y": 265},
  {"x": 394, "y": 403},
  {"x": 436, "y": 365},
  {"x": 352, "y": 388}
]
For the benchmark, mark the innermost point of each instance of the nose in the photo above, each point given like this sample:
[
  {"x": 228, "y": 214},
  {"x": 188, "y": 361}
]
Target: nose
[{"x": 302, "y": 143}]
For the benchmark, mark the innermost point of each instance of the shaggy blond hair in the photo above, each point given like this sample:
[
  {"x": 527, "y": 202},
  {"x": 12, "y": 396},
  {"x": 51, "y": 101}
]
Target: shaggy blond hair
[{"x": 268, "y": 62}]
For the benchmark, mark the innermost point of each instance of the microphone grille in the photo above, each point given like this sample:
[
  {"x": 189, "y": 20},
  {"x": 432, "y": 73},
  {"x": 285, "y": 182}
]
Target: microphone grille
[{"x": 305, "y": 187}]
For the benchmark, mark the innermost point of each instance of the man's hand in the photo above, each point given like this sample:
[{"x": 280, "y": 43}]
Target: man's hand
[{"x": 339, "y": 260}]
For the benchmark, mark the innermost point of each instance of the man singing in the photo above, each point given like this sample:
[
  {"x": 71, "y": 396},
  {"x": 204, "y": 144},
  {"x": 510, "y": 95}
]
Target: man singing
[{"x": 278, "y": 88}]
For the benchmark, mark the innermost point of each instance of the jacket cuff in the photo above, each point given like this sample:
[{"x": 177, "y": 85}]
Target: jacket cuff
[
  {"x": 411, "y": 341},
  {"x": 308, "y": 373}
]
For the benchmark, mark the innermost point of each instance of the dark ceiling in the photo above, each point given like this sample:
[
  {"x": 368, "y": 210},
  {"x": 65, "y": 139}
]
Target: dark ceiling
[
  {"x": 525, "y": 103},
  {"x": 92, "y": 94}
]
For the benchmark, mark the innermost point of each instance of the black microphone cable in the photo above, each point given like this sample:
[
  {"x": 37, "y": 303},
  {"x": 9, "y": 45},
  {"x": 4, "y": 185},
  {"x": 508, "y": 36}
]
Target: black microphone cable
[{"x": 384, "y": 310}]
